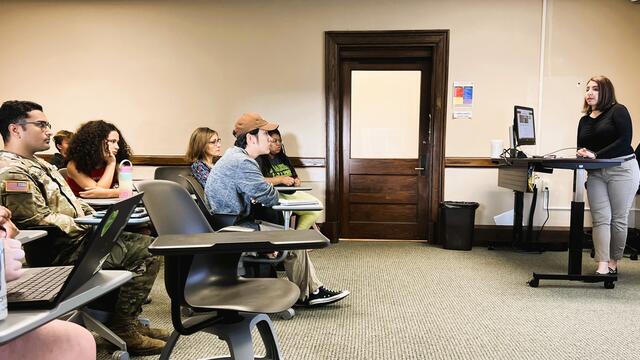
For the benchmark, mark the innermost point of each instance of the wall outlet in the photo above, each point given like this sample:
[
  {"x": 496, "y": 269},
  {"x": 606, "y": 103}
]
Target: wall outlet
[{"x": 545, "y": 184}]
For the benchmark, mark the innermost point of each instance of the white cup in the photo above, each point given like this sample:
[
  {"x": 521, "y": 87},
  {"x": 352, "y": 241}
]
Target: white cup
[
  {"x": 496, "y": 148},
  {"x": 3, "y": 284}
]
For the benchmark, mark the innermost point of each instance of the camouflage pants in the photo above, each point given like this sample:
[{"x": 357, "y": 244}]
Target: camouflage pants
[{"x": 131, "y": 253}]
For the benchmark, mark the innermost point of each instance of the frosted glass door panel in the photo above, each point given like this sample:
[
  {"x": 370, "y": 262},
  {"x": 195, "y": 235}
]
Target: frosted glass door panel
[{"x": 385, "y": 114}]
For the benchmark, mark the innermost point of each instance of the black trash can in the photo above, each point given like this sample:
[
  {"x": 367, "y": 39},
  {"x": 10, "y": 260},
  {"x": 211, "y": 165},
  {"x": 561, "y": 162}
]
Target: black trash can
[{"x": 457, "y": 221}]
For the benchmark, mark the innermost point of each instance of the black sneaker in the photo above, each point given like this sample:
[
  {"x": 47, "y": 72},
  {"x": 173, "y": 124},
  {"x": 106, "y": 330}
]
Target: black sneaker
[{"x": 324, "y": 296}]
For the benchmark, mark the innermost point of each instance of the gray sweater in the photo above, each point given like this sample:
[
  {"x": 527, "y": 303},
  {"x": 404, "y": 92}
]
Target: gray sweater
[{"x": 235, "y": 181}]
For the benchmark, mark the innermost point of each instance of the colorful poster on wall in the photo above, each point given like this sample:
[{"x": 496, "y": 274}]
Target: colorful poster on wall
[{"x": 462, "y": 99}]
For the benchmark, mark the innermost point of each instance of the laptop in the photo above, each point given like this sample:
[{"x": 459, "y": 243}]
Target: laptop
[{"x": 46, "y": 287}]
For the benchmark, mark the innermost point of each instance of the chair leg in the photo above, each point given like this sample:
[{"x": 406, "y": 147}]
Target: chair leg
[
  {"x": 237, "y": 335},
  {"x": 171, "y": 343},
  {"x": 94, "y": 325},
  {"x": 269, "y": 337}
]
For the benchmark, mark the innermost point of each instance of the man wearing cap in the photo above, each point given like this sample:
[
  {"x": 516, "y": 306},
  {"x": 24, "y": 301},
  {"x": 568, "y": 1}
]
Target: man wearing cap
[{"x": 236, "y": 183}]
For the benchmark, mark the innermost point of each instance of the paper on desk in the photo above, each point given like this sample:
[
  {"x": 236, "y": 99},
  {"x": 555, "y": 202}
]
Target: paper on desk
[{"x": 297, "y": 202}]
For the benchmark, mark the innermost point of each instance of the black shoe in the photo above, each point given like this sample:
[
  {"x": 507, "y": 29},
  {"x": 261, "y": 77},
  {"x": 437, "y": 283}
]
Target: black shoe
[
  {"x": 613, "y": 271},
  {"x": 324, "y": 296},
  {"x": 593, "y": 280}
]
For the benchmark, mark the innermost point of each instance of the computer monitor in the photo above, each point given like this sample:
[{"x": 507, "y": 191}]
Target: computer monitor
[{"x": 524, "y": 129}]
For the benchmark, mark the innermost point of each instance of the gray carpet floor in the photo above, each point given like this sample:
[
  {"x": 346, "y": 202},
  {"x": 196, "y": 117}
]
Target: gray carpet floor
[{"x": 414, "y": 301}]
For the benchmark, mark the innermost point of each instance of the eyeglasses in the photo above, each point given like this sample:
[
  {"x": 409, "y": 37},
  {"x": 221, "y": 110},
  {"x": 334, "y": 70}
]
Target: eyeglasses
[
  {"x": 215, "y": 142},
  {"x": 40, "y": 124}
]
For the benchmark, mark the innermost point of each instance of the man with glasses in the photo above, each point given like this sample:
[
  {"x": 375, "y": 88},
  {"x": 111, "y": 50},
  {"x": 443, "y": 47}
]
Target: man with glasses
[
  {"x": 236, "y": 183},
  {"x": 37, "y": 195}
]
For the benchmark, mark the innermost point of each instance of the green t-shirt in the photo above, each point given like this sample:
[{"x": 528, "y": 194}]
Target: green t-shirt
[{"x": 278, "y": 168}]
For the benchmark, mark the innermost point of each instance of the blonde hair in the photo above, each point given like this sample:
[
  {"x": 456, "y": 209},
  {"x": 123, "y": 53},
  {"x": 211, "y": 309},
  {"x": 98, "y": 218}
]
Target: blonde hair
[{"x": 199, "y": 139}]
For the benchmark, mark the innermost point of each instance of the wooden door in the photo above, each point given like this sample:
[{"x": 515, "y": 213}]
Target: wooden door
[{"x": 385, "y": 147}]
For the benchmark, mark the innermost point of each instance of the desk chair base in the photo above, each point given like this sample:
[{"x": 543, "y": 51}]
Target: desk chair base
[
  {"x": 608, "y": 280},
  {"x": 83, "y": 318},
  {"x": 235, "y": 329}
]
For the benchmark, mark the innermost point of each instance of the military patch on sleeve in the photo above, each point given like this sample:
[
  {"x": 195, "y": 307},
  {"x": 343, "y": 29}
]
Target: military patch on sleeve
[{"x": 16, "y": 186}]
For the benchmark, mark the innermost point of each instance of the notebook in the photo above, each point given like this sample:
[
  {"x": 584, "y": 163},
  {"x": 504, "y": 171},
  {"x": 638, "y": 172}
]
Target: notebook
[
  {"x": 46, "y": 287},
  {"x": 298, "y": 202}
]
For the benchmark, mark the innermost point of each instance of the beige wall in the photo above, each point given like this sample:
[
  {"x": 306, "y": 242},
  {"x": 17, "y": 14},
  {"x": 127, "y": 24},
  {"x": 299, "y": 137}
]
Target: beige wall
[{"x": 158, "y": 69}]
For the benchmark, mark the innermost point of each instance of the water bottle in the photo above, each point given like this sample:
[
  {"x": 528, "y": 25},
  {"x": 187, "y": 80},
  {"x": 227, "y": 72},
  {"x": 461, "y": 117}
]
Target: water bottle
[
  {"x": 3, "y": 284},
  {"x": 125, "y": 179}
]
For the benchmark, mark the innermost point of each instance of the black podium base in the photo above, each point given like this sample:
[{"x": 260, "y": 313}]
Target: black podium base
[{"x": 608, "y": 280}]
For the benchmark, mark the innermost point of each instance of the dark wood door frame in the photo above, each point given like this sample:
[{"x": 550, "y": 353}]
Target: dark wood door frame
[{"x": 341, "y": 46}]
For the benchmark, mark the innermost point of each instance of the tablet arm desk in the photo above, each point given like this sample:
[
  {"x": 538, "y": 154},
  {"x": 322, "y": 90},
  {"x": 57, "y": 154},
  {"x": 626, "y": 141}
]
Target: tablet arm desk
[
  {"x": 201, "y": 273},
  {"x": 576, "y": 229}
]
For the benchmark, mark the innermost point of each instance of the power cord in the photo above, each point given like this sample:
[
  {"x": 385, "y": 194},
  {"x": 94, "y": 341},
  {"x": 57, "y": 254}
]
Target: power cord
[{"x": 547, "y": 219}]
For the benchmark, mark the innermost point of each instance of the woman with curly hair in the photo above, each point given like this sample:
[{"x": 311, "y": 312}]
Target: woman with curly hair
[
  {"x": 94, "y": 154},
  {"x": 203, "y": 146}
]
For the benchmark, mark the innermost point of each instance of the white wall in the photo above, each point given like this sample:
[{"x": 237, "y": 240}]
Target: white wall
[{"x": 158, "y": 69}]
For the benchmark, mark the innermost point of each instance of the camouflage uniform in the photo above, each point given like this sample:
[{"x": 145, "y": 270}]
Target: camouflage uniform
[{"x": 37, "y": 194}]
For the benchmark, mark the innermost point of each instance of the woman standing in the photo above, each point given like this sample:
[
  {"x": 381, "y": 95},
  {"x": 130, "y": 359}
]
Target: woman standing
[
  {"x": 605, "y": 132},
  {"x": 94, "y": 154},
  {"x": 203, "y": 146}
]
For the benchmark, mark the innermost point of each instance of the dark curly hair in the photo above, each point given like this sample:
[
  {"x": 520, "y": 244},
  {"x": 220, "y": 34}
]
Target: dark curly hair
[{"x": 86, "y": 148}]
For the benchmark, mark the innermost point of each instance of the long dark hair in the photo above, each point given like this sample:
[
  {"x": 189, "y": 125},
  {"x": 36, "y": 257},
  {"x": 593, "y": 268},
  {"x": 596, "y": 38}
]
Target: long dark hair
[
  {"x": 265, "y": 160},
  {"x": 86, "y": 149}
]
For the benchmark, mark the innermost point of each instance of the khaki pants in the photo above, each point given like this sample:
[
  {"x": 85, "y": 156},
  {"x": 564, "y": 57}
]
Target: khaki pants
[
  {"x": 611, "y": 192},
  {"x": 299, "y": 269}
]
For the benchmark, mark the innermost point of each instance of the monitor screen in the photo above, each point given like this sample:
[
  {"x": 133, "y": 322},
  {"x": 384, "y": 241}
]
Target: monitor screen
[{"x": 524, "y": 126}]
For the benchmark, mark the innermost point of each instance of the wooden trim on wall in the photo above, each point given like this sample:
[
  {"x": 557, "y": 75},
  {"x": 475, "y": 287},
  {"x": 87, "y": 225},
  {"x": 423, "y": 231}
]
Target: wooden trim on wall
[
  {"x": 178, "y": 160},
  {"x": 470, "y": 162},
  {"x": 299, "y": 162}
]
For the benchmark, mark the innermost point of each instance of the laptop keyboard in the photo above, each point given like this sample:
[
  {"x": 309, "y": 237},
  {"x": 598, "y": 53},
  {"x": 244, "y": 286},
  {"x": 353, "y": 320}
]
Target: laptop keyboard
[{"x": 39, "y": 285}]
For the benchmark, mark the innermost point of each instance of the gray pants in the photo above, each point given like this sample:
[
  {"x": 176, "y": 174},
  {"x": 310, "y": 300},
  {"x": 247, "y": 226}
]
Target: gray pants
[{"x": 611, "y": 192}]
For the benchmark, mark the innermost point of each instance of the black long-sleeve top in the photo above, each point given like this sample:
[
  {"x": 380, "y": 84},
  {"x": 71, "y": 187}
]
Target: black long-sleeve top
[{"x": 609, "y": 134}]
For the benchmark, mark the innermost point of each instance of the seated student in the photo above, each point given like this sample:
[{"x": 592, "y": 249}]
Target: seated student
[
  {"x": 277, "y": 170},
  {"x": 235, "y": 183},
  {"x": 204, "y": 144},
  {"x": 61, "y": 139},
  {"x": 94, "y": 154},
  {"x": 54, "y": 340},
  {"x": 36, "y": 194}
]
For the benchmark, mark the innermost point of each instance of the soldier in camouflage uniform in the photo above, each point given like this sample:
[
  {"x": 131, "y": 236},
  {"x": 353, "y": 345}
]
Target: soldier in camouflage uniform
[{"x": 37, "y": 194}]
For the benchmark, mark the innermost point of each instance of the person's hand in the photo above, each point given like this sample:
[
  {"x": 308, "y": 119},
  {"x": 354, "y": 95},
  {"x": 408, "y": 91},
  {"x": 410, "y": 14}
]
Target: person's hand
[
  {"x": 296, "y": 182},
  {"x": 109, "y": 155},
  {"x": 584, "y": 153},
  {"x": 13, "y": 255},
  {"x": 286, "y": 180},
  {"x": 7, "y": 228},
  {"x": 99, "y": 193}
]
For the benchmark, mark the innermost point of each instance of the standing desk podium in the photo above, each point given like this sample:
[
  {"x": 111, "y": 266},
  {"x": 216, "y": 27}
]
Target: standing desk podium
[{"x": 514, "y": 174}]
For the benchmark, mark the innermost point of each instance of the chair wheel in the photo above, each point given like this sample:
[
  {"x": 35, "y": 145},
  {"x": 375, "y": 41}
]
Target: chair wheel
[
  {"x": 534, "y": 282},
  {"x": 633, "y": 257},
  {"x": 609, "y": 285},
  {"x": 287, "y": 314},
  {"x": 120, "y": 355}
]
